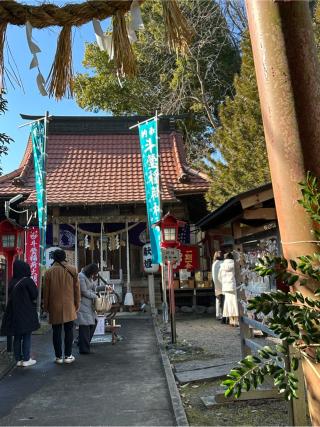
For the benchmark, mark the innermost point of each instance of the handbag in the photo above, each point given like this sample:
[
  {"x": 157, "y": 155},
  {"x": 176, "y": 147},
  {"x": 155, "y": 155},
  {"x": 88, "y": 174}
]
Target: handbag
[{"x": 103, "y": 303}]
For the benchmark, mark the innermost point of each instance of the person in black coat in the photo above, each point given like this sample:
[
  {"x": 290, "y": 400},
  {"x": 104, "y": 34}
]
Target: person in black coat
[{"x": 20, "y": 318}]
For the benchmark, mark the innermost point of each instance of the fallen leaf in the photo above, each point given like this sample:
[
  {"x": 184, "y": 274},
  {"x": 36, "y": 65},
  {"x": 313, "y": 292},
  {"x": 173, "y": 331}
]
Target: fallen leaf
[{"x": 184, "y": 385}]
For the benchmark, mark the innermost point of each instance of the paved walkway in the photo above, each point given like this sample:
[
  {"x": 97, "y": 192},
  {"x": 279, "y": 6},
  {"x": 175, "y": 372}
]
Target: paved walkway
[{"x": 122, "y": 384}]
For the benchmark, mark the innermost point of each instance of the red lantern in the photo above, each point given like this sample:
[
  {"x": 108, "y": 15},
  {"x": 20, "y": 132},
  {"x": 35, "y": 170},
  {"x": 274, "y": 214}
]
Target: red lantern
[{"x": 169, "y": 226}]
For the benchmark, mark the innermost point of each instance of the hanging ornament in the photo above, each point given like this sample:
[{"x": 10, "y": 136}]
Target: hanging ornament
[
  {"x": 91, "y": 244},
  {"x": 86, "y": 242},
  {"x": 113, "y": 243},
  {"x": 34, "y": 49},
  {"x": 104, "y": 41},
  {"x": 136, "y": 22},
  {"x": 117, "y": 242}
]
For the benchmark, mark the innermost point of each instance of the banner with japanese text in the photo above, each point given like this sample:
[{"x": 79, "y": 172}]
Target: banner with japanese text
[
  {"x": 33, "y": 252},
  {"x": 148, "y": 133},
  {"x": 39, "y": 159}
]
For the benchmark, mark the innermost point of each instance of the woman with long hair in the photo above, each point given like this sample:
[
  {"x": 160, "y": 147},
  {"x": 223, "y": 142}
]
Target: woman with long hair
[
  {"x": 228, "y": 280},
  {"x": 20, "y": 318},
  {"x": 216, "y": 265}
]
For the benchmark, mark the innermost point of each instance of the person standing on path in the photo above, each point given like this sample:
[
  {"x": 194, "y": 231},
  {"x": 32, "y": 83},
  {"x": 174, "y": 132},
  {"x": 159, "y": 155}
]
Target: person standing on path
[
  {"x": 229, "y": 289},
  {"x": 217, "y": 261},
  {"x": 61, "y": 301},
  {"x": 20, "y": 318},
  {"x": 87, "y": 318}
]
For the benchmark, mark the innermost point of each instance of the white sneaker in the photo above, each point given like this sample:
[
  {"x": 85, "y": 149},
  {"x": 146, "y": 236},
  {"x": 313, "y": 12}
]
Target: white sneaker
[
  {"x": 30, "y": 362},
  {"x": 20, "y": 363},
  {"x": 59, "y": 360},
  {"x": 69, "y": 359}
]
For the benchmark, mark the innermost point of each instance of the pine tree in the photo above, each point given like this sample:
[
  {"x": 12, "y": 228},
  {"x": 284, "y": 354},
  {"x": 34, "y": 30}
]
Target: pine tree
[{"x": 240, "y": 138}]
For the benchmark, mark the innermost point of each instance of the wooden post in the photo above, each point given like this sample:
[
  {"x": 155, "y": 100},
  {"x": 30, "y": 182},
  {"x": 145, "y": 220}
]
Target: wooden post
[
  {"x": 288, "y": 77},
  {"x": 76, "y": 247},
  {"x": 101, "y": 247},
  {"x": 55, "y": 226},
  {"x": 120, "y": 247},
  {"x": 298, "y": 407},
  {"x": 245, "y": 331},
  {"x": 164, "y": 294},
  {"x": 151, "y": 292},
  {"x": 128, "y": 256},
  {"x": 172, "y": 304}
]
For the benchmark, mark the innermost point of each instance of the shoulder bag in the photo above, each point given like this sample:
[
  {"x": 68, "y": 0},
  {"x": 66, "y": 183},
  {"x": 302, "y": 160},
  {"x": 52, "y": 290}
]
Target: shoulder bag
[{"x": 102, "y": 303}]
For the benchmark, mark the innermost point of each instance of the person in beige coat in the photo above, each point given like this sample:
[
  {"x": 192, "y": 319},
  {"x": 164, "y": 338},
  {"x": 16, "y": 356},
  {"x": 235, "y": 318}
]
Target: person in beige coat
[{"x": 61, "y": 301}]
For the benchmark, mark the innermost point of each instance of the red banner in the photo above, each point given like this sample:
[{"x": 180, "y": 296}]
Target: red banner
[
  {"x": 33, "y": 252},
  {"x": 189, "y": 258}
]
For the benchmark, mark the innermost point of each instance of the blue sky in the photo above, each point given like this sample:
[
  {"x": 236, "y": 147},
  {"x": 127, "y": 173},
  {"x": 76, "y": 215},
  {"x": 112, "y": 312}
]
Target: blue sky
[{"x": 28, "y": 100}]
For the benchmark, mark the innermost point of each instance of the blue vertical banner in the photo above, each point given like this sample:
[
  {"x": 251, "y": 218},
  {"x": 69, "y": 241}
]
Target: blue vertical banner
[
  {"x": 148, "y": 133},
  {"x": 39, "y": 160}
]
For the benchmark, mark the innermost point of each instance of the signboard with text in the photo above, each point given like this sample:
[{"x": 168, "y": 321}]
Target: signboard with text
[
  {"x": 189, "y": 257},
  {"x": 148, "y": 265},
  {"x": 33, "y": 252},
  {"x": 184, "y": 257}
]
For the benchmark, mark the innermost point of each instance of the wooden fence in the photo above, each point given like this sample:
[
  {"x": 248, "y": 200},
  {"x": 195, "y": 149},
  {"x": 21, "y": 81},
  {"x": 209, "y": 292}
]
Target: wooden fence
[{"x": 297, "y": 407}]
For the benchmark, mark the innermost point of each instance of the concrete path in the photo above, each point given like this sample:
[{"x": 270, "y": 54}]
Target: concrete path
[{"x": 122, "y": 384}]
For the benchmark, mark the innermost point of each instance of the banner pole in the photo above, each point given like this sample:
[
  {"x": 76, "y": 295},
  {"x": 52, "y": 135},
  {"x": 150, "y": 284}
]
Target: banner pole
[
  {"x": 76, "y": 247},
  {"x": 43, "y": 226}
]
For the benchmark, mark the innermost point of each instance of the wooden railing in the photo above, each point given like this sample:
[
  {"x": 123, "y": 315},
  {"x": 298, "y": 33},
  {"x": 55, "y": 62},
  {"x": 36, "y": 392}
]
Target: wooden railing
[{"x": 297, "y": 407}]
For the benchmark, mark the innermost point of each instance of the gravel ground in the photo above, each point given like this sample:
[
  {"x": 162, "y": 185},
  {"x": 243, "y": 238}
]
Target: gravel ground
[
  {"x": 203, "y": 337},
  {"x": 213, "y": 337}
]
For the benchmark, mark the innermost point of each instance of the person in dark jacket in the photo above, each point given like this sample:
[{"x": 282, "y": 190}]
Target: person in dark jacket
[{"x": 20, "y": 318}]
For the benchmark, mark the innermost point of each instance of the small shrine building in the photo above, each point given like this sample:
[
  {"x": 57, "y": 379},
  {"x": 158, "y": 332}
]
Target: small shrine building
[{"x": 95, "y": 190}]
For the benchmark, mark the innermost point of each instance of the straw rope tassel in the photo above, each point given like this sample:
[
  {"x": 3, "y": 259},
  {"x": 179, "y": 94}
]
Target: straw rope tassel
[
  {"x": 61, "y": 74},
  {"x": 3, "y": 29},
  {"x": 178, "y": 30},
  {"x": 123, "y": 53}
]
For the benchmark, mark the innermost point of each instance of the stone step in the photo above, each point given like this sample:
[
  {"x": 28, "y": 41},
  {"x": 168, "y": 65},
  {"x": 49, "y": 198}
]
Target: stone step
[
  {"x": 192, "y": 365},
  {"x": 260, "y": 393},
  {"x": 213, "y": 373}
]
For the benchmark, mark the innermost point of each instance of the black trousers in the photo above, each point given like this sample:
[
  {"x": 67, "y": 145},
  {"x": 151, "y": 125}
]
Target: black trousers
[
  {"x": 57, "y": 339},
  {"x": 85, "y": 335}
]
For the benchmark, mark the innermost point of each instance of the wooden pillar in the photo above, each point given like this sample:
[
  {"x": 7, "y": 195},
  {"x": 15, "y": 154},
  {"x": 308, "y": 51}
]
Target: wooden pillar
[
  {"x": 55, "y": 226},
  {"x": 152, "y": 300},
  {"x": 101, "y": 246},
  {"x": 288, "y": 80},
  {"x": 128, "y": 256},
  {"x": 76, "y": 247}
]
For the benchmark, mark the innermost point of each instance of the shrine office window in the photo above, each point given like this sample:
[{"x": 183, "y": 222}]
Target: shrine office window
[{"x": 8, "y": 241}]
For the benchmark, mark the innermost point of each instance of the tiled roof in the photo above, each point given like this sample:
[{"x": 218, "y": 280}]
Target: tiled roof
[{"x": 103, "y": 169}]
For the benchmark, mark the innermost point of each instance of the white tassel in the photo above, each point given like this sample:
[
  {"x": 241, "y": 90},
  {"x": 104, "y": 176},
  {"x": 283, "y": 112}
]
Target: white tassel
[
  {"x": 131, "y": 33},
  {"x": 104, "y": 41},
  {"x": 34, "y": 49},
  {"x": 41, "y": 84},
  {"x": 34, "y": 63},
  {"x": 136, "y": 17}
]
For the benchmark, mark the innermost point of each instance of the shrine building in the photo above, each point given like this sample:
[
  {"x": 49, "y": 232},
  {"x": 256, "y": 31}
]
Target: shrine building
[{"x": 95, "y": 191}]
